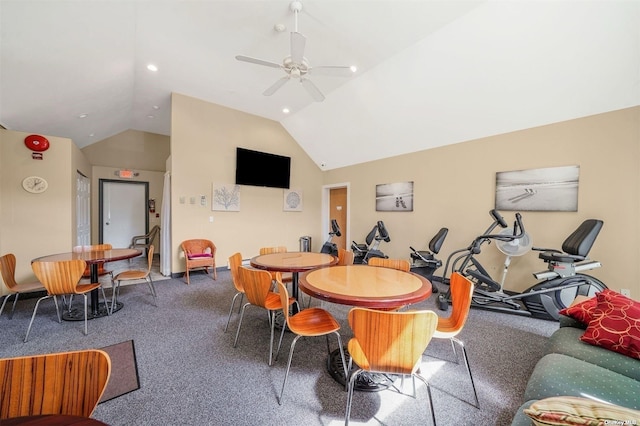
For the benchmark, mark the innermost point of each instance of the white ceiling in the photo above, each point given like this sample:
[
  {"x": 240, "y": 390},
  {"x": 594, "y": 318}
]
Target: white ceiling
[{"x": 430, "y": 73}]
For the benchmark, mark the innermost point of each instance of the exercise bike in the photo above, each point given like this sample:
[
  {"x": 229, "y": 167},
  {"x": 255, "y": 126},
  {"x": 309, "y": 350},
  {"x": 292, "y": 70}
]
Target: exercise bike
[
  {"x": 559, "y": 285},
  {"x": 329, "y": 246},
  {"x": 363, "y": 252},
  {"x": 424, "y": 262}
]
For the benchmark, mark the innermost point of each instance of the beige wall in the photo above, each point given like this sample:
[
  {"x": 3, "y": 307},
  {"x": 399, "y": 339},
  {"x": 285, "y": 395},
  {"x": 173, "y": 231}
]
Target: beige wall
[
  {"x": 203, "y": 149},
  {"x": 130, "y": 149},
  {"x": 454, "y": 187},
  {"x": 156, "y": 183},
  {"x": 33, "y": 225}
]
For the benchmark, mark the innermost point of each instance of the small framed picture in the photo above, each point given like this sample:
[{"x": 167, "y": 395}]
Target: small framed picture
[
  {"x": 292, "y": 200},
  {"x": 394, "y": 197},
  {"x": 225, "y": 197}
]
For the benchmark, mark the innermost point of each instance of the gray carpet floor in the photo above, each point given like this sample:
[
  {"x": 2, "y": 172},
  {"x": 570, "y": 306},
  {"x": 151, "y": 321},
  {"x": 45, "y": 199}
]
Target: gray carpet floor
[{"x": 190, "y": 373}]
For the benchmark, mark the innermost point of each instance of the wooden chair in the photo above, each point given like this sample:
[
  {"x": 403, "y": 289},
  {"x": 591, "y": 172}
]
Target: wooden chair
[
  {"x": 389, "y": 343},
  {"x": 399, "y": 264},
  {"x": 8, "y": 270},
  {"x": 287, "y": 277},
  {"x": 449, "y": 328},
  {"x": 235, "y": 261},
  {"x": 345, "y": 257},
  {"x": 60, "y": 278},
  {"x": 101, "y": 269},
  {"x": 257, "y": 288},
  {"x": 69, "y": 383},
  {"x": 310, "y": 322},
  {"x": 146, "y": 240},
  {"x": 134, "y": 274},
  {"x": 199, "y": 253}
]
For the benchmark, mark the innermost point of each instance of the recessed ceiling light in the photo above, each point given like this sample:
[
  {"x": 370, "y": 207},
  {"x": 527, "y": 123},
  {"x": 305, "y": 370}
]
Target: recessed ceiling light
[
  {"x": 151, "y": 116},
  {"x": 83, "y": 115},
  {"x": 353, "y": 68},
  {"x": 286, "y": 110},
  {"x": 156, "y": 107},
  {"x": 91, "y": 135},
  {"x": 152, "y": 67}
]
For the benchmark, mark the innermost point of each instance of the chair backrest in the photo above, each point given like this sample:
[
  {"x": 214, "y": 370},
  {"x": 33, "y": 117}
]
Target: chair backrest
[
  {"x": 99, "y": 247},
  {"x": 284, "y": 298},
  {"x": 150, "y": 257},
  {"x": 70, "y": 383},
  {"x": 399, "y": 264},
  {"x": 8, "y": 270},
  {"x": 390, "y": 341},
  {"x": 198, "y": 246},
  {"x": 235, "y": 261},
  {"x": 436, "y": 242},
  {"x": 579, "y": 243},
  {"x": 60, "y": 277},
  {"x": 270, "y": 250},
  {"x": 256, "y": 284},
  {"x": 152, "y": 234},
  {"x": 345, "y": 257},
  {"x": 461, "y": 292}
]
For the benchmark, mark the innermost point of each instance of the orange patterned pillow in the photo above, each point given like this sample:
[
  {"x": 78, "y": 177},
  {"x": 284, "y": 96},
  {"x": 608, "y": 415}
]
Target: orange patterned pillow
[
  {"x": 615, "y": 324},
  {"x": 574, "y": 411}
]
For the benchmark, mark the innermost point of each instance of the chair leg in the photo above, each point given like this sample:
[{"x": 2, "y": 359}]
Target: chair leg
[
  {"x": 286, "y": 374},
  {"x": 351, "y": 384},
  {"x": 433, "y": 414},
  {"x": 235, "y": 343},
  {"x": 4, "y": 302},
  {"x": 13, "y": 308},
  {"x": 106, "y": 302},
  {"x": 35, "y": 310},
  {"x": 233, "y": 303},
  {"x": 466, "y": 363},
  {"x": 115, "y": 289},
  {"x": 272, "y": 315},
  {"x": 153, "y": 290}
]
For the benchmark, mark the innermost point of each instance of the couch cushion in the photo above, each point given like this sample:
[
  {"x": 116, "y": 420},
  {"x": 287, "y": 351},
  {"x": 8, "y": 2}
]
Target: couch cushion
[
  {"x": 558, "y": 375},
  {"x": 571, "y": 410},
  {"x": 615, "y": 324},
  {"x": 566, "y": 340}
]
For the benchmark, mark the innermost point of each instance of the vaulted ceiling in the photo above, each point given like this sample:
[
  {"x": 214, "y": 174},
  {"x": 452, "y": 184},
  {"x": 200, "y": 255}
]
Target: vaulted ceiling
[{"x": 429, "y": 73}]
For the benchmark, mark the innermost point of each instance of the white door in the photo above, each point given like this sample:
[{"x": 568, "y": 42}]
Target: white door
[
  {"x": 83, "y": 210},
  {"x": 124, "y": 211}
]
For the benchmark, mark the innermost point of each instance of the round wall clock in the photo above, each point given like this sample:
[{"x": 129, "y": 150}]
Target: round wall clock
[{"x": 35, "y": 184}]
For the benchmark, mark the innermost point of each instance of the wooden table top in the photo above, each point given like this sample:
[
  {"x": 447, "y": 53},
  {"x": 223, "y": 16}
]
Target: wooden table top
[
  {"x": 365, "y": 286},
  {"x": 92, "y": 256},
  {"x": 293, "y": 261},
  {"x": 51, "y": 420}
]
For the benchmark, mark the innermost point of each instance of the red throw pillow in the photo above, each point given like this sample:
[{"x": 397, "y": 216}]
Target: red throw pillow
[
  {"x": 197, "y": 255},
  {"x": 582, "y": 311},
  {"x": 615, "y": 324}
]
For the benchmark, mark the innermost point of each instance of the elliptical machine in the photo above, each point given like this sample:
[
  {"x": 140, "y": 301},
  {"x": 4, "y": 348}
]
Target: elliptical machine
[
  {"x": 364, "y": 252},
  {"x": 329, "y": 246}
]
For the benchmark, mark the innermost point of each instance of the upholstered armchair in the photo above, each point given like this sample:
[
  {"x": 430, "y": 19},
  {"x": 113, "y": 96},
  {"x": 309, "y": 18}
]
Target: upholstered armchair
[{"x": 199, "y": 253}]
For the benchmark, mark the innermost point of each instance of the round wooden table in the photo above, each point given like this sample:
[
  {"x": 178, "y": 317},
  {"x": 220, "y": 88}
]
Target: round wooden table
[
  {"x": 294, "y": 262},
  {"x": 365, "y": 286},
  {"x": 51, "y": 420},
  {"x": 93, "y": 259}
]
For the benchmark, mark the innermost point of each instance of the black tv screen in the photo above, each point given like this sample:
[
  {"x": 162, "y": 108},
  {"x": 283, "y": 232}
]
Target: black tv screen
[{"x": 257, "y": 168}]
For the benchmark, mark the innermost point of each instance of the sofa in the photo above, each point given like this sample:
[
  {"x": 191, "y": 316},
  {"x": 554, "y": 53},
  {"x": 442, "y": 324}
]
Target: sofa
[{"x": 585, "y": 369}]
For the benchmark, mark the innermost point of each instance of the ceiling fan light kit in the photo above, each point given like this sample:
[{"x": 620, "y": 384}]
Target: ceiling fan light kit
[{"x": 295, "y": 65}]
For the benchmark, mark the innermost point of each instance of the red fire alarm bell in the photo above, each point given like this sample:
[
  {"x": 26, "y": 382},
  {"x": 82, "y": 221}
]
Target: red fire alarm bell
[{"x": 36, "y": 143}]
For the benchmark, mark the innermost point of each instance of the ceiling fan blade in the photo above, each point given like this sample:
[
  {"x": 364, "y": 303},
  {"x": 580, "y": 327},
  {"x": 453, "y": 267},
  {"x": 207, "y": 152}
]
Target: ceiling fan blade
[
  {"x": 332, "y": 70},
  {"x": 258, "y": 61},
  {"x": 298, "y": 42},
  {"x": 275, "y": 86},
  {"x": 315, "y": 93}
]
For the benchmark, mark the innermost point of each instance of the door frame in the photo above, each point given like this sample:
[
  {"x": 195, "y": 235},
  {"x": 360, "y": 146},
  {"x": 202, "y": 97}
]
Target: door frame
[
  {"x": 101, "y": 183},
  {"x": 324, "y": 221}
]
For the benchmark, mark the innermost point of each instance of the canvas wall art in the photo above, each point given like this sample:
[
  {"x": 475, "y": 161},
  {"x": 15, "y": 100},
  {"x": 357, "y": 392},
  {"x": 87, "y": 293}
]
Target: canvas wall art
[
  {"x": 544, "y": 189},
  {"x": 394, "y": 197},
  {"x": 292, "y": 200},
  {"x": 225, "y": 197}
]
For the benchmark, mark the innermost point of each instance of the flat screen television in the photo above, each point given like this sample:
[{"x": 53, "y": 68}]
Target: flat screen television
[{"x": 257, "y": 168}]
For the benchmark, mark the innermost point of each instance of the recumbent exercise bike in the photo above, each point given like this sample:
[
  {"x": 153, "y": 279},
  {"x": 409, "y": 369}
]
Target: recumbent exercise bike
[{"x": 363, "y": 252}]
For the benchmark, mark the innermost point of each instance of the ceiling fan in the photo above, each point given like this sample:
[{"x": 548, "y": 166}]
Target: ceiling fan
[{"x": 296, "y": 65}]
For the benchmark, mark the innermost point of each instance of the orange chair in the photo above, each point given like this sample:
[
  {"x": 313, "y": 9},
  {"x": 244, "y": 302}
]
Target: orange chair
[
  {"x": 199, "y": 254},
  {"x": 345, "y": 257},
  {"x": 8, "y": 270},
  {"x": 235, "y": 261},
  {"x": 389, "y": 343},
  {"x": 287, "y": 277},
  {"x": 60, "y": 278},
  {"x": 101, "y": 269},
  {"x": 134, "y": 274},
  {"x": 311, "y": 322},
  {"x": 69, "y": 383},
  {"x": 449, "y": 328},
  {"x": 257, "y": 288},
  {"x": 399, "y": 264}
]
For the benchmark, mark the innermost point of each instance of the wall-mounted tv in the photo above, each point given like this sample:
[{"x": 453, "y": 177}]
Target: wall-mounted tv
[{"x": 257, "y": 168}]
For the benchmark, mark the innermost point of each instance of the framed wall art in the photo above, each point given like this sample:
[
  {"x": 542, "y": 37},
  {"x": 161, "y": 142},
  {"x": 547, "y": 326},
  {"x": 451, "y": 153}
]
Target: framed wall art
[
  {"x": 225, "y": 197},
  {"x": 394, "y": 197},
  {"x": 292, "y": 200},
  {"x": 545, "y": 189}
]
